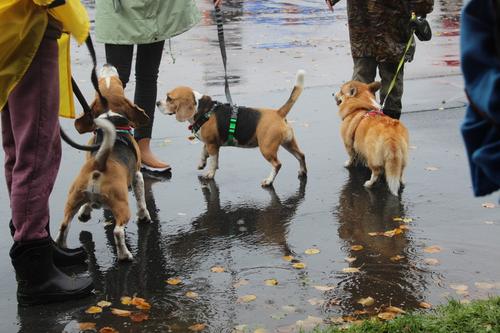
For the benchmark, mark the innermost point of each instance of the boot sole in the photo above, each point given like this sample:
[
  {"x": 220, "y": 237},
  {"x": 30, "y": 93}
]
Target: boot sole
[{"x": 30, "y": 300}]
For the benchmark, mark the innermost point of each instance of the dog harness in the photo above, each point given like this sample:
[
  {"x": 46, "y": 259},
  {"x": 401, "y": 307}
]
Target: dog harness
[
  {"x": 123, "y": 131},
  {"x": 201, "y": 118}
]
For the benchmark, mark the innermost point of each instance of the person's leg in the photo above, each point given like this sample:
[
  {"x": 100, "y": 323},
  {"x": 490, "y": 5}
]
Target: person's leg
[
  {"x": 33, "y": 166},
  {"x": 146, "y": 73},
  {"x": 120, "y": 56},
  {"x": 393, "y": 104},
  {"x": 364, "y": 70}
]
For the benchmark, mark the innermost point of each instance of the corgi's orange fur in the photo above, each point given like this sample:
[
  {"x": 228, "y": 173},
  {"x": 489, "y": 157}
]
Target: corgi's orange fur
[{"x": 371, "y": 137}]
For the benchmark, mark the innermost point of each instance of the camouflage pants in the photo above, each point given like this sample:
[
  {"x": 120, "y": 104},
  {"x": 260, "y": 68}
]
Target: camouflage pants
[{"x": 365, "y": 70}]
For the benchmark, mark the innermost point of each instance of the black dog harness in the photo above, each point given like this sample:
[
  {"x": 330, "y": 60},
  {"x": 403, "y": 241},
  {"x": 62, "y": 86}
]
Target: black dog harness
[{"x": 123, "y": 134}]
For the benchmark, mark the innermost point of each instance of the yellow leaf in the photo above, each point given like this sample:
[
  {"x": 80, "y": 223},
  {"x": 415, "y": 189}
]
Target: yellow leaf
[
  {"x": 104, "y": 304},
  {"x": 395, "y": 309},
  {"x": 431, "y": 261},
  {"x": 386, "y": 315},
  {"x": 197, "y": 327},
  {"x": 393, "y": 232},
  {"x": 397, "y": 257},
  {"x": 139, "y": 316},
  {"x": 368, "y": 301},
  {"x": 299, "y": 265},
  {"x": 94, "y": 309},
  {"x": 312, "y": 251},
  {"x": 350, "y": 259},
  {"x": 351, "y": 270},
  {"x": 404, "y": 227},
  {"x": 125, "y": 300},
  {"x": 120, "y": 312},
  {"x": 140, "y": 303},
  {"x": 375, "y": 233},
  {"x": 357, "y": 247},
  {"x": 247, "y": 298},
  {"x": 241, "y": 282},
  {"x": 425, "y": 305},
  {"x": 287, "y": 258},
  {"x": 323, "y": 288},
  {"x": 271, "y": 282},
  {"x": 217, "y": 269},
  {"x": 86, "y": 326},
  {"x": 192, "y": 294},
  {"x": 108, "y": 329},
  {"x": 403, "y": 219},
  {"x": 433, "y": 249},
  {"x": 488, "y": 205},
  {"x": 173, "y": 281}
]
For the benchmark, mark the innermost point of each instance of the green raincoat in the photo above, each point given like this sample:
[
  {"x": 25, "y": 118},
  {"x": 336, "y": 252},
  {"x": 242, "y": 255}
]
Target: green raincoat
[{"x": 143, "y": 21}]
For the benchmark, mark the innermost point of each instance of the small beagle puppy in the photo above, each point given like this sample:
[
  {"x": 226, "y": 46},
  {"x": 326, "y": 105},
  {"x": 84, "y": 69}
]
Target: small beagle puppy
[
  {"x": 107, "y": 174},
  {"x": 210, "y": 120}
]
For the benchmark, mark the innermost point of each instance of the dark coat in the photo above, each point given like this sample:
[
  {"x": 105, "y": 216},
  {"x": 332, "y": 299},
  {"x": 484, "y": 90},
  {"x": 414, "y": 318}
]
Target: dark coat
[
  {"x": 480, "y": 61},
  {"x": 380, "y": 28}
]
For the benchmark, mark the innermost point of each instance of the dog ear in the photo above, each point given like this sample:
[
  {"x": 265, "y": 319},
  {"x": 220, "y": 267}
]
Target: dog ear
[
  {"x": 374, "y": 86},
  {"x": 353, "y": 91},
  {"x": 204, "y": 104},
  {"x": 136, "y": 116},
  {"x": 85, "y": 123}
]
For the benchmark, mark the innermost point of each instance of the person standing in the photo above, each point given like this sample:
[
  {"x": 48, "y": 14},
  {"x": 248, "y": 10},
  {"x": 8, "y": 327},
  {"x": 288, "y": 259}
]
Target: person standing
[
  {"x": 122, "y": 24},
  {"x": 480, "y": 62},
  {"x": 379, "y": 31},
  {"x": 29, "y": 100}
]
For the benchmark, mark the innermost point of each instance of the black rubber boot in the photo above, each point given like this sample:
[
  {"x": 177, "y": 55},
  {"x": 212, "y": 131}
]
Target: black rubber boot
[
  {"x": 62, "y": 257},
  {"x": 393, "y": 114},
  {"x": 39, "y": 281}
]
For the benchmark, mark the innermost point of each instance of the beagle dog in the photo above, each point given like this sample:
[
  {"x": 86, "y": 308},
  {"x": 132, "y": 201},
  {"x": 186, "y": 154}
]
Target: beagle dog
[
  {"x": 210, "y": 122},
  {"x": 107, "y": 174},
  {"x": 370, "y": 136}
]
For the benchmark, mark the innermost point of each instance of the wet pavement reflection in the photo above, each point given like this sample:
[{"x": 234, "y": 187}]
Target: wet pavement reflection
[{"x": 254, "y": 234}]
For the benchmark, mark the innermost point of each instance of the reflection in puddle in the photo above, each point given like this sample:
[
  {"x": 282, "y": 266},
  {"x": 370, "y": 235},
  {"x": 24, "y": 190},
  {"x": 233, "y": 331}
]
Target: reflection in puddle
[{"x": 389, "y": 273}]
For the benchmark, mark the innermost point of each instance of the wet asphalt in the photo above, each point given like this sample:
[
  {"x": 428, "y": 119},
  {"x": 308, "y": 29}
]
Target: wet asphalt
[{"x": 234, "y": 223}]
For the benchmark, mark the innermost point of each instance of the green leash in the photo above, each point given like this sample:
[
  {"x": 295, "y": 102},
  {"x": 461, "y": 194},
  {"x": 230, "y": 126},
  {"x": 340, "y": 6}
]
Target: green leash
[{"x": 400, "y": 65}]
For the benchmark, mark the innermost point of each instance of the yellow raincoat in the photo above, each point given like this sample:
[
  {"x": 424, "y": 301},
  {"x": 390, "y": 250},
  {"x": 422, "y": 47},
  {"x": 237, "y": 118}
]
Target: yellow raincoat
[{"x": 23, "y": 24}]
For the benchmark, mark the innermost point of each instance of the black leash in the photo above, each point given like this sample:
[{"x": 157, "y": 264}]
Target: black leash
[
  {"x": 222, "y": 45},
  {"x": 83, "y": 102}
]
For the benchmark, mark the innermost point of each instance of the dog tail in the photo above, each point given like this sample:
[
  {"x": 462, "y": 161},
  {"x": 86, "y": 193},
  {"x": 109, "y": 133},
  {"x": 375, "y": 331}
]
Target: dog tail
[
  {"x": 107, "y": 143},
  {"x": 297, "y": 90},
  {"x": 395, "y": 163}
]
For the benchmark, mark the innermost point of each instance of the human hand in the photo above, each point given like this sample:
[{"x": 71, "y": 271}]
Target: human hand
[{"x": 217, "y": 3}]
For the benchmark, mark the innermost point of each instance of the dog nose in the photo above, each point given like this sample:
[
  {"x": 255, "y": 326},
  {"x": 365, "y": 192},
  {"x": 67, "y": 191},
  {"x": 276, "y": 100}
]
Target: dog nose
[{"x": 158, "y": 103}]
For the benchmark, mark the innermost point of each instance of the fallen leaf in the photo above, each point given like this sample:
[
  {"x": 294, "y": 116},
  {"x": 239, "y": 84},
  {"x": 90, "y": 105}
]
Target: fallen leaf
[
  {"x": 397, "y": 257},
  {"x": 368, "y": 301},
  {"x": 433, "y": 249},
  {"x": 247, "y": 298},
  {"x": 94, "y": 310},
  {"x": 139, "y": 316},
  {"x": 386, "y": 315},
  {"x": 191, "y": 294},
  {"x": 316, "y": 301},
  {"x": 271, "y": 282},
  {"x": 350, "y": 259},
  {"x": 299, "y": 265},
  {"x": 488, "y": 205},
  {"x": 197, "y": 327},
  {"x": 217, "y": 269},
  {"x": 120, "y": 312},
  {"x": 404, "y": 227},
  {"x": 86, "y": 326},
  {"x": 393, "y": 232},
  {"x": 431, "y": 261},
  {"x": 375, "y": 233},
  {"x": 425, "y": 305},
  {"x": 351, "y": 270},
  {"x": 323, "y": 288},
  {"x": 312, "y": 251},
  {"x": 104, "y": 304},
  {"x": 125, "y": 300},
  {"x": 140, "y": 303},
  {"x": 360, "y": 312},
  {"x": 348, "y": 319},
  {"x": 402, "y": 219},
  {"x": 357, "y": 247},
  {"x": 108, "y": 329},
  {"x": 484, "y": 285},
  {"x": 395, "y": 309},
  {"x": 241, "y": 282},
  {"x": 336, "y": 320},
  {"x": 432, "y": 168},
  {"x": 174, "y": 281},
  {"x": 287, "y": 258}
]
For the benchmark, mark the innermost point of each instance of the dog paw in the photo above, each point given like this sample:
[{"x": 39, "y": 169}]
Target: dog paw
[
  {"x": 143, "y": 217},
  {"x": 266, "y": 183},
  {"x": 202, "y": 165},
  {"x": 125, "y": 256}
]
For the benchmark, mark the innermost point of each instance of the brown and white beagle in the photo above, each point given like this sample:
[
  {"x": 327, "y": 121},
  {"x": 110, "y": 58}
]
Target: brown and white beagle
[
  {"x": 107, "y": 174},
  {"x": 209, "y": 120}
]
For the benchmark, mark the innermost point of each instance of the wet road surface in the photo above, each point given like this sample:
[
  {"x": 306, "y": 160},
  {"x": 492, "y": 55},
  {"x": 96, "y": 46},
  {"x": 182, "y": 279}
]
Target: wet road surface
[{"x": 249, "y": 231}]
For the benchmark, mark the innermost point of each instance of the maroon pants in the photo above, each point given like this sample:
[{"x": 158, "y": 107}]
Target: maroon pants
[{"x": 32, "y": 145}]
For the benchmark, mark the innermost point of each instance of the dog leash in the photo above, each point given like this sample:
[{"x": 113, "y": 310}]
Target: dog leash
[
  {"x": 234, "y": 108},
  {"x": 401, "y": 62},
  {"x": 83, "y": 102}
]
